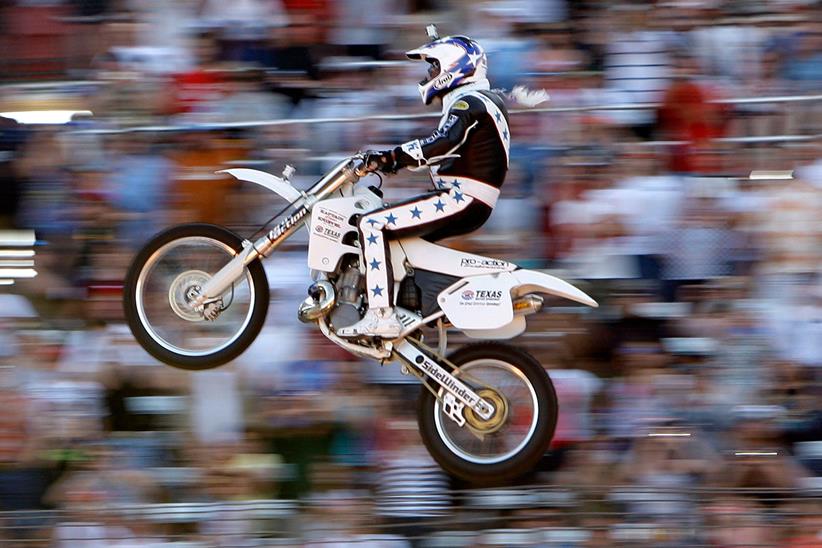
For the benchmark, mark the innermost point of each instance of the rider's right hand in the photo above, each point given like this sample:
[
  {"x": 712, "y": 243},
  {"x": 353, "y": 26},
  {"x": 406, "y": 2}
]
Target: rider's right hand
[{"x": 380, "y": 161}]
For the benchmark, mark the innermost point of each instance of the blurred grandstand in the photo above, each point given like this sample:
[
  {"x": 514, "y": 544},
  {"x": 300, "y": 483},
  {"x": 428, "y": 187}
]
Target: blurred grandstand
[{"x": 690, "y": 411}]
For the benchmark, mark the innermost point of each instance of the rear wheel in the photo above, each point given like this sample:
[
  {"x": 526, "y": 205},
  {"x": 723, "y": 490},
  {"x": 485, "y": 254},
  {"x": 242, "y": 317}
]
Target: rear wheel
[
  {"x": 165, "y": 277},
  {"x": 510, "y": 442}
]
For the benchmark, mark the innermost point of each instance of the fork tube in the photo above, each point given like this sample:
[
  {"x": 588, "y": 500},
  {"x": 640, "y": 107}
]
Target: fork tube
[
  {"x": 266, "y": 243},
  {"x": 325, "y": 186},
  {"x": 227, "y": 275},
  {"x": 288, "y": 226}
]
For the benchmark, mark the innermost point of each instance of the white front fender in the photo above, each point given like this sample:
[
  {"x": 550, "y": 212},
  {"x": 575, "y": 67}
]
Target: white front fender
[{"x": 271, "y": 182}]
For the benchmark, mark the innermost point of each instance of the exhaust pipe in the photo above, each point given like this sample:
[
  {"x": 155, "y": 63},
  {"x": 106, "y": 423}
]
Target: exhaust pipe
[{"x": 320, "y": 301}]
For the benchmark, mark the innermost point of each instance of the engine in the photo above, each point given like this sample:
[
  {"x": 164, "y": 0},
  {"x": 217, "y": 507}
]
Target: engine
[{"x": 349, "y": 298}]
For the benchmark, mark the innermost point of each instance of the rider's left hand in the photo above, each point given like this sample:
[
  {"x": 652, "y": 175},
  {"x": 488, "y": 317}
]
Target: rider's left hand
[{"x": 384, "y": 161}]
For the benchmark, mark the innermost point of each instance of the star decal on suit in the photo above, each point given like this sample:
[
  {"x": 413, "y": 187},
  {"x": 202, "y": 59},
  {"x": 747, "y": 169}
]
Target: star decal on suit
[
  {"x": 458, "y": 197},
  {"x": 391, "y": 219},
  {"x": 372, "y": 239},
  {"x": 505, "y": 134},
  {"x": 377, "y": 290},
  {"x": 373, "y": 222},
  {"x": 375, "y": 264},
  {"x": 456, "y": 183},
  {"x": 498, "y": 116},
  {"x": 439, "y": 205},
  {"x": 415, "y": 213}
]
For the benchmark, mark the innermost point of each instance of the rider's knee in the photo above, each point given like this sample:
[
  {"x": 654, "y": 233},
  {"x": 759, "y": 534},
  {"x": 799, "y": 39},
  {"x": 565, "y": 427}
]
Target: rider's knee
[{"x": 371, "y": 222}]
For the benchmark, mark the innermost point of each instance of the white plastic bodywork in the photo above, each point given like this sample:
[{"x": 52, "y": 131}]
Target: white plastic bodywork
[
  {"x": 508, "y": 331},
  {"x": 329, "y": 225},
  {"x": 479, "y": 302},
  {"x": 436, "y": 258},
  {"x": 398, "y": 259},
  {"x": 271, "y": 182},
  {"x": 531, "y": 281},
  {"x": 481, "y": 306}
]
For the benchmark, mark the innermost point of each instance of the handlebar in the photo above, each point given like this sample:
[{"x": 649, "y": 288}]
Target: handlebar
[{"x": 358, "y": 166}]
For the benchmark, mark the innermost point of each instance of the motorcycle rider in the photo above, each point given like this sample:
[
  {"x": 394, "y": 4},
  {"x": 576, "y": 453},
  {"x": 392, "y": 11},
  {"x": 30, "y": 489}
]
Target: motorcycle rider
[{"x": 467, "y": 156}]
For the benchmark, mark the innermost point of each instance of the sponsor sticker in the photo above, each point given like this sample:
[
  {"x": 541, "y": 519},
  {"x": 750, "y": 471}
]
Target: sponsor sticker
[
  {"x": 481, "y": 297},
  {"x": 329, "y": 224},
  {"x": 330, "y": 217},
  {"x": 460, "y": 105},
  {"x": 444, "y": 379},
  {"x": 440, "y": 132},
  {"x": 443, "y": 80},
  {"x": 483, "y": 263},
  {"x": 287, "y": 223},
  {"x": 328, "y": 233}
]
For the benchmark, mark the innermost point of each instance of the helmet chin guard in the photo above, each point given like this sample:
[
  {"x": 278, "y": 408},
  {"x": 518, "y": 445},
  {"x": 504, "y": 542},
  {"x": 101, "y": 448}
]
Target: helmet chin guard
[{"x": 461, "y": 61}]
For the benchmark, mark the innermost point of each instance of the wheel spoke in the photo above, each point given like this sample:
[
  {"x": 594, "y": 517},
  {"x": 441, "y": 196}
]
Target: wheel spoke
[
  {"x": 169, "y": 280},
  {"x": 502, "y": 441}
]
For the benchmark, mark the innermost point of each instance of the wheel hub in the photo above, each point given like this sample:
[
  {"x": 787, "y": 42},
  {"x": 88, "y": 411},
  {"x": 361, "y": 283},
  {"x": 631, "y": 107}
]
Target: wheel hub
[
  {"x": 495, "y": 421},
  {"x": 183, "y": 291}
]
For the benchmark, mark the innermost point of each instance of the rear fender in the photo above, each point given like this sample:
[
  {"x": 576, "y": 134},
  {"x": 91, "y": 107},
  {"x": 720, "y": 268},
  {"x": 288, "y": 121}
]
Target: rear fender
[
  {"x": 484, "y": 303},
  {"x": 530, "y": 281}
]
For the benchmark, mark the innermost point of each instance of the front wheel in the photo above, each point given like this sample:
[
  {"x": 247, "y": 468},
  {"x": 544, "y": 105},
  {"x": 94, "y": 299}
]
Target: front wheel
[
  {"x": 510, "y": 442},
  {"x": 165, "y": 277}
]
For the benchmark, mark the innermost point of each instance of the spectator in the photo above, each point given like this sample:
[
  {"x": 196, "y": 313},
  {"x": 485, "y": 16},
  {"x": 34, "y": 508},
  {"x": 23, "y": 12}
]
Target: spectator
[
  {"x": 688, "y": 115},
  {"x": 637, "y": 64},
  {"x": 199, "y": 89},
  {"x": 411, "y": 488},
  {"x": 139, "y": 181},
  {"x": 803, "y": 67}
]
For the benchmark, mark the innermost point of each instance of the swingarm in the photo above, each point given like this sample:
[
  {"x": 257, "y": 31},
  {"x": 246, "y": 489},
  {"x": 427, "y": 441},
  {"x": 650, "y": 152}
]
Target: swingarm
[{"x": 458, "y": 394}]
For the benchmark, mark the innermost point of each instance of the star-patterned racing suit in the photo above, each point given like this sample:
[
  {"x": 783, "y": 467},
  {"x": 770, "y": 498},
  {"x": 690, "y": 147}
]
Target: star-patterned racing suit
[{"x": 468, "y": 159}]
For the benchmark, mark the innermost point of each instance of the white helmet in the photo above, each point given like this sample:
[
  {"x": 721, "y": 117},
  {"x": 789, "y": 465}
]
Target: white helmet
[{"x": 455, "y": 61}]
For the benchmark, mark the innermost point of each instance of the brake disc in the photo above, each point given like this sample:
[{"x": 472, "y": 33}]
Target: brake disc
[{"x": 183, "y": 291}]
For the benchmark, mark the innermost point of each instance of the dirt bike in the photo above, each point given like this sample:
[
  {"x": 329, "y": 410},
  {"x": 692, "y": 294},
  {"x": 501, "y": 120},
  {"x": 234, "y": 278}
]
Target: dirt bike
[{"x": 196, "y": 296}]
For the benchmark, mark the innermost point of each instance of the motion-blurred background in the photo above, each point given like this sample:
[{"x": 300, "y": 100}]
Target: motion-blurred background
[{"x": 690, "y": 401}]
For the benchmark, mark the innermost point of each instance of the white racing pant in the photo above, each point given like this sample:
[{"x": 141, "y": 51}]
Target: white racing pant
[{"x": 436, "y": 215}]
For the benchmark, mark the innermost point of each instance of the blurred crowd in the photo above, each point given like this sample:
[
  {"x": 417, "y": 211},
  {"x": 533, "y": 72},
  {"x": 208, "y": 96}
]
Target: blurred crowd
[{"x": 689, "y": 401}]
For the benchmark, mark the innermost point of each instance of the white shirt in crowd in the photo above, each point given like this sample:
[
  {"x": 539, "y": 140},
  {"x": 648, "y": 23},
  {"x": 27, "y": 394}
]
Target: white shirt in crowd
[{"x": 637, "y": 65}]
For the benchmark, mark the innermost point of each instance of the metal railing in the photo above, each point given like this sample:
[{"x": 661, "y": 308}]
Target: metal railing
[
  {"x": 427, "y": 115},
  {"x": 16, "y": 255},
  {"x": 527, "y": 515}
]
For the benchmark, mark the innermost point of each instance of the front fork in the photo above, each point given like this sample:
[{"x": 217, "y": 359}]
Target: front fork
[
  {"x": 347, "y": 171},
  {"x": 231, "y": 272},
  {"x": 457, "y": 394}
]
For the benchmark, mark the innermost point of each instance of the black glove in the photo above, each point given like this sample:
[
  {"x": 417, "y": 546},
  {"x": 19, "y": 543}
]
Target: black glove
[{"x": 384, "y": 161}]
